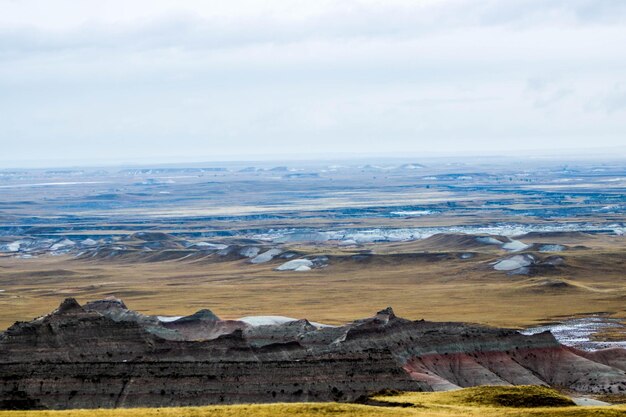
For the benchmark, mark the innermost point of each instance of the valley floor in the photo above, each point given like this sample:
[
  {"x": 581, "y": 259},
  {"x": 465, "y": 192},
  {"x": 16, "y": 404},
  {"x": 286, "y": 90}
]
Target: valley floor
[{"x": 434, "y": 285}]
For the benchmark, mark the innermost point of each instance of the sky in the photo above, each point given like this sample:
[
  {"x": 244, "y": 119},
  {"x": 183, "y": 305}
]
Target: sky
[{"x": 87, "y": 81}]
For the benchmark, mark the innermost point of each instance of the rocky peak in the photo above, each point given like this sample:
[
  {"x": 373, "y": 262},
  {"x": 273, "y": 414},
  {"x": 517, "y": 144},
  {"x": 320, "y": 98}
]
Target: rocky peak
[
  {"x": 386, "y": 313},
  {"x": 68, "y": 306},
  {"x": 200, "y": 315},
  {"x": 106, "y": 304}
]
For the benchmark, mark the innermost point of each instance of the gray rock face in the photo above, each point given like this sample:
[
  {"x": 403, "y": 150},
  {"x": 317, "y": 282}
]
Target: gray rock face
[{"x": 104, "y": 355}]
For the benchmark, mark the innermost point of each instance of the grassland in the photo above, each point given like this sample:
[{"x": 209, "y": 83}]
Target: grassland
[
  {"x": 479, "y": 401},
  {"x": 434, "y": 285},
  {"x": 418, "y": 280}
]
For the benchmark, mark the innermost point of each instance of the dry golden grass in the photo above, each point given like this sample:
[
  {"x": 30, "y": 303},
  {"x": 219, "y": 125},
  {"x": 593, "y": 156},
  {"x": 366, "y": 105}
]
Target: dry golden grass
[
  {"x": 417, "y": 286},
  {"x": 521, "y": 396},
  {"x": 457, "y": 403}
]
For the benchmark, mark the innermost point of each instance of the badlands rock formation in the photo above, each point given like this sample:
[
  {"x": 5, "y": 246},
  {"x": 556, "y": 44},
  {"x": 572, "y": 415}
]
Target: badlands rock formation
[{"x": 104, "y": 355}]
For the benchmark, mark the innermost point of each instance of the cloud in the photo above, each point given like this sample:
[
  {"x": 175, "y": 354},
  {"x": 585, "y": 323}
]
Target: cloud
[
  {"x": 615, "y": 101},
  {"x": 609, "y": 102},
  {"x": 136, "y": 78},
  {"x": 190, "y": 26}
]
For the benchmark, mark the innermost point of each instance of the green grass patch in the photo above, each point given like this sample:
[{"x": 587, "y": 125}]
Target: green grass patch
[
  {"x": 525, "y": 401},
  {"x": 519, "y": 396},
  {"x": 528, "y": 396}
]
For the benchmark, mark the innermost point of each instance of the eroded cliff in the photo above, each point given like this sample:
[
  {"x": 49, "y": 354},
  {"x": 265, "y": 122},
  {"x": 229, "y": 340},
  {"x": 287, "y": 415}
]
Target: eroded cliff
[{"x": 104, "y": 355}]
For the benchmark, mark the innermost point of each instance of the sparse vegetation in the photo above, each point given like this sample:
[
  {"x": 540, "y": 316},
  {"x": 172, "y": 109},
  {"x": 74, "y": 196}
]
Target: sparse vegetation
[
  {"x": 416, "y": 286},
  {"x": 480, "y": 401},
  {"x": 496, "y": 396}
]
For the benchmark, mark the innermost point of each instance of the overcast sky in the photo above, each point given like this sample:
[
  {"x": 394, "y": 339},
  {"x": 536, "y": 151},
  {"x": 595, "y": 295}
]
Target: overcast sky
[{"x": 165, "y": 80}]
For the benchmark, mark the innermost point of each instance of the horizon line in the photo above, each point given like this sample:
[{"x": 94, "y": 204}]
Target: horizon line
[{"x": 609, "y": 152}]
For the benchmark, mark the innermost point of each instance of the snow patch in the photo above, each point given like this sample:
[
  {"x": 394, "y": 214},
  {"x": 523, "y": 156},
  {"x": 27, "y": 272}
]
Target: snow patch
[
  {"x": 14, "y": 246},
  {"x": 265, "y": 256},
  {"x": 209, "y": 246},
  {"x": 515, "y": 246},
  {"x": 488, "y": 240},
  {"x": 296, "y": 265},
  {"x": 65, "y": 243},
  {"x": 514, "y": 262},
  {"x": 167, "y": 319},
  {"x": 255, "y": 321},
  {"x": 361, "y": 236},
  {"x": 266, "y": 320},
  {"x": 578, "y": 332},
  {"x": 414, "y": 213}
]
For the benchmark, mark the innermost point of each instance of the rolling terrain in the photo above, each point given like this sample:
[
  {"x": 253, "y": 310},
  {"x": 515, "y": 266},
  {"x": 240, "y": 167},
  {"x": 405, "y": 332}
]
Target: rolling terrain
[
  {"x": 529, "y": 245},
  {"x": 513, "y": 243},
  {"x": 436, "y": 284}
]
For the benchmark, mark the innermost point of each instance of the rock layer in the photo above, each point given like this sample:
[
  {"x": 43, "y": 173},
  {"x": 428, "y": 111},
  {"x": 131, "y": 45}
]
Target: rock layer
[{"x": 104, "y": 355}]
